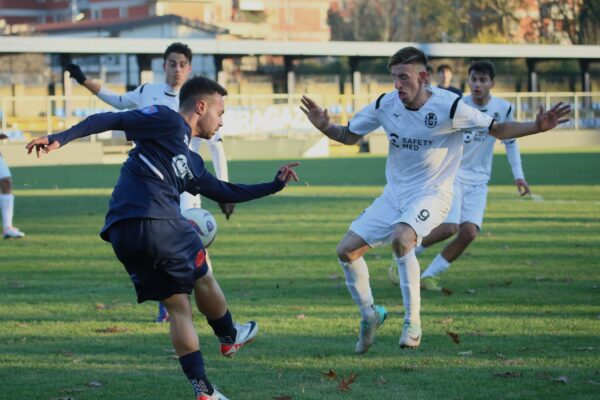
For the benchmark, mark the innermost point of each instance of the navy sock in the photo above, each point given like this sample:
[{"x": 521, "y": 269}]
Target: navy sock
[
  {"x": 193, "y": 367},
  {"x": 223, "y": 328}
]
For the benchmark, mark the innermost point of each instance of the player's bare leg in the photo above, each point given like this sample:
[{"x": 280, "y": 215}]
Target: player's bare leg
[
  {"x": 211, "y": 302},
  {"x": 350, "y": 253},
  {"x": 404, "y": 241},
  {"x": 187, "y": 347},
  {"x": 467, "y": 233}
]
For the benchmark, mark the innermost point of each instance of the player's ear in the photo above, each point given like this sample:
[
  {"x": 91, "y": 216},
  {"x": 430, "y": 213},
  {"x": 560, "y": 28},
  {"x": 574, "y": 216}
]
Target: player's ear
[
  {"x": 493, "y": 83},
  {"x": 200, "y": 107}
]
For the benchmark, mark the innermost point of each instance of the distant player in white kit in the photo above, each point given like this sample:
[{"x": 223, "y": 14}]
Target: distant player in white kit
[
  {"x": 471, "y": 182},
  {"x": 7, "y": 200},
  {"x": 177, "y": 66},
  {"x": 424, "y": 127}
]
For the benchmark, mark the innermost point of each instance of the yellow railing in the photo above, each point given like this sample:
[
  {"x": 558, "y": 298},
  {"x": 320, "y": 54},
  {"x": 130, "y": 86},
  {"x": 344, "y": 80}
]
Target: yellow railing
[{"x": 37, "y": 115}]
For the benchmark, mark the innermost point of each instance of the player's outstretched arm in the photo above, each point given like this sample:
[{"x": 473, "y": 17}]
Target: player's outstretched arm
[
  {"x": 544, "y": 121},
  {"x": 207, "y": 185},
  {"x": 319, "y": 117},
  {"x": 76, "y": 73}
]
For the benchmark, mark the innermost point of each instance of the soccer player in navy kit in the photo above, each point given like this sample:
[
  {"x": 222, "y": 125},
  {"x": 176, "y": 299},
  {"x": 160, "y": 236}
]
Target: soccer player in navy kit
[
  {"x": 177, "y": 66},
  {"x": 157, "y": 246}
]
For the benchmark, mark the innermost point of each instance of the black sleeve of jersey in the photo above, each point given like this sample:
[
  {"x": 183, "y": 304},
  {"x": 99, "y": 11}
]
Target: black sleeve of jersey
[{"x": 207, "y": 185}]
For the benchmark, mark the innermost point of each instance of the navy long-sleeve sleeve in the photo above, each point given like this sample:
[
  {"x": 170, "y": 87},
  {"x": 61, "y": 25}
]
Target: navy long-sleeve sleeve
[{"x": 225, "y": 192}]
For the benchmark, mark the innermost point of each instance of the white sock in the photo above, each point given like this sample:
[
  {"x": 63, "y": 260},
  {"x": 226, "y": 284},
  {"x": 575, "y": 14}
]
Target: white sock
[
  {"x": 7, "y": 202},
  {"x": 410, "y": 286},
  {"x": 419, "y": 249},
  {"x": 437, "y": 266},
  {"x": 195, "y": 143},
  {"x": 357, "y": 282}
]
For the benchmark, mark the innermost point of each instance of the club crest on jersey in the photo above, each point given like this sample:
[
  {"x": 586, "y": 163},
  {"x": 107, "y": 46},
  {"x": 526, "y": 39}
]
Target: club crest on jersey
[
  {"x": 467, "y": 136},
  {"x": 149, "y": 110},
  {"x": 181, "y": 168},
  {"x": 395, "y": 139},
  {"x": 496, "y": 116},
  {"x": 430, "y": 120}
]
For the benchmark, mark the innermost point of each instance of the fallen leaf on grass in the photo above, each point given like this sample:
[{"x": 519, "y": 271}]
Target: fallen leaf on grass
[
  {"x": 331, "y": 374},
  {"x": 447, "y": 291},
  {"x": 381, "y": 380},
  {"x": 584, "y": 348},
  {"x": 454, "y": 337},
  {"x": 300, "y": 316},
  {"x": 409, "y": 368},
  {"x": 344, "y": 385},
  {"x": 508, "y": 374},
  {"x": 94, "y": 384},
  {"x": 23, "y": 325},
  {"x": 446, "y": 321},
  {"x": 540, "y": 278},
  {"x": 593, "y": 382},
  {"x": 112, "y": 329},
  {"x": 470, "y": 291},
  {"x": 466, "y": 353},
  {"x": 335, "y": 277},
  {"x": 562, "y": 379}
]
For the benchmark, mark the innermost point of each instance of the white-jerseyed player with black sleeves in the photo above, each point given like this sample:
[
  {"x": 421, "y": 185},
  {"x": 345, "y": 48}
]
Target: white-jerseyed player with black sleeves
[
  {"x": 177, "y": 66},
  {"x": 424, "y": 128},
  {"x": 471, "y": 182}
]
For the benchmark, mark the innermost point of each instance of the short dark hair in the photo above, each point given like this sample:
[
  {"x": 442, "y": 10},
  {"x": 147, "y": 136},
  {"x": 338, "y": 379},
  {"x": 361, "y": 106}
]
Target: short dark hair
[
  {"x": 483, "y": 67},
  {"x": 407, "y": 55},
  {"x": 196, "y": 88},
  {"x": 180, "y": 48},
  {"x": 444, "y": 67}
]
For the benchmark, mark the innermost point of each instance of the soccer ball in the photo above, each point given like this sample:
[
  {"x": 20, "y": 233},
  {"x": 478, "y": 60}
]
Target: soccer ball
[{"x": 203, "y": 223}]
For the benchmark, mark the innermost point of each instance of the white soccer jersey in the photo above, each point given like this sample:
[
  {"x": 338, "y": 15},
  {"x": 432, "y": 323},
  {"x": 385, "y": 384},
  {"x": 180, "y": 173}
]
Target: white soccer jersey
[
  {"x": 478, "y": 152},
  {"x": 143, "y": 96},
  {"x": 425, "y": 145}
]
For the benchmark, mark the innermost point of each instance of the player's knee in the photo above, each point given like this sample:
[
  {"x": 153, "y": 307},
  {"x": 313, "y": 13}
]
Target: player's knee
[
  {"x": 468, "y": 232},
  {"x": 451, "y": 229},
  {"x": 346, "y": 252},
  {"x": 403, "y": 241},
  {"x": 5, "y": 185}
]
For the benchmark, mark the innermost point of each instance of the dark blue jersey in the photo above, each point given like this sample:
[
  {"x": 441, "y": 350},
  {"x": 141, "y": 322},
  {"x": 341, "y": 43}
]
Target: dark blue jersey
[{"x": 160, "y": 167}]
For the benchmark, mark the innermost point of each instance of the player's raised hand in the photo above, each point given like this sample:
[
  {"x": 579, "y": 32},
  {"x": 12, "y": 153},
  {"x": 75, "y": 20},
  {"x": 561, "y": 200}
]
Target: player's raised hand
[
  {"x": 545, "y": 121},
  {"x": 522, "y": 187},
  {"x": 76, "y": 73},
  {"x": 3, "y": 136},
  {"x": 286, "y": 172},
  {"x": 317, "y": 115},
  {"x": 42, "y": 145}
]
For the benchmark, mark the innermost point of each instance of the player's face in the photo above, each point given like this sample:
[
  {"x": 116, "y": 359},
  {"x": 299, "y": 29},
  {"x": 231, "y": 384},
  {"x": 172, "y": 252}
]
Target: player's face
[
  {"x": 409, "y": 81},
  {"x": 480, "y": 84},
  {"x": 177, "y": 69},
  {"x": 211, "y": 118}
]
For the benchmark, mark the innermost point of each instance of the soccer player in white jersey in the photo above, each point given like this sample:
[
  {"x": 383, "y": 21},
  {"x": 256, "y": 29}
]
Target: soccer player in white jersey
[
  {"x": 7, "y": 200},
  {"x": 177, "y": 66},
  {"x": 424, "y": 127},
  {"x": 471, "y": 181}
]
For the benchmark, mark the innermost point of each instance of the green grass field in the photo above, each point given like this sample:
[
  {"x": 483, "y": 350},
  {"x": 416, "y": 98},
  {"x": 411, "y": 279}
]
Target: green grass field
[{"x": 525, "y": 302}]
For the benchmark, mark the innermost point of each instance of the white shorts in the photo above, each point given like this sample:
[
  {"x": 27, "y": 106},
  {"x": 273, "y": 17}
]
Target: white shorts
[
  {"x": 468, "y": 204},
  {"x": 4, "y": 171},
  {"x": 376, "y": 224}
]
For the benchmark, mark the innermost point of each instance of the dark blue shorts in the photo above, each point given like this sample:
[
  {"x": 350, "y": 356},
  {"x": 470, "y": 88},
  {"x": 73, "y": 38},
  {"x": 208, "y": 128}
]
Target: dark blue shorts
[{"x": 162, "y": 257}]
